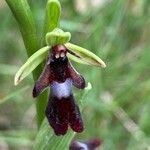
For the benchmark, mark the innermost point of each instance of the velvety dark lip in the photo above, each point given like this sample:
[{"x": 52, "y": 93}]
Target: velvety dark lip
[
  {"x": 59, "y": 74},
  {"x": 62, "y": 113}
]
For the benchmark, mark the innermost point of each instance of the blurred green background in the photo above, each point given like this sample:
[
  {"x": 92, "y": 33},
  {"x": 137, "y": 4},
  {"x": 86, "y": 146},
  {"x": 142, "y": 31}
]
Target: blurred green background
[{"x": 118, "y": 106}]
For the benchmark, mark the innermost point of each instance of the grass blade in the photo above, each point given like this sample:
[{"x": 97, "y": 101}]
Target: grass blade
[{"x": 24, "y": 17}]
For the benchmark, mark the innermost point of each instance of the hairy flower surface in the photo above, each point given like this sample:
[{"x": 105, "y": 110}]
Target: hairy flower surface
[{"x": 62, "y": 110}]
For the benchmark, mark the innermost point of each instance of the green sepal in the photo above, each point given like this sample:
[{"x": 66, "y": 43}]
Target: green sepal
[
  {"x": 84, "y": 56},
  {"x": 57, "y": 36},
  {"x": 31, "y": 64},
  {"x": 52, "y": 17}
]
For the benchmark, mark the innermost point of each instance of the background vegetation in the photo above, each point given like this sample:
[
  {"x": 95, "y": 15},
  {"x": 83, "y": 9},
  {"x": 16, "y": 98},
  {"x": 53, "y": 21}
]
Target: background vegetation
[{"x": 117, "y": 108}]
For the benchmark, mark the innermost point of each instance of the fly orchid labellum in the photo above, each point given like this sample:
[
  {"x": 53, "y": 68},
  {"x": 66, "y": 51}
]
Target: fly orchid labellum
[{"x": 62, "y": 110}]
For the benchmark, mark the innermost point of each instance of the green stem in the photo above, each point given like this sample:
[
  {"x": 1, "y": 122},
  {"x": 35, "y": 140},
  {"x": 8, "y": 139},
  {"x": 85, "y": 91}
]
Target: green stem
[
  {"x": 23, "y": 15},
  {"x": 24, "y": 18}
]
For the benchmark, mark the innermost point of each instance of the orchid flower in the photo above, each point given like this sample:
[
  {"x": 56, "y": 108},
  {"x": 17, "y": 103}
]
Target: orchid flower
[{"x": 59, "y": 74}]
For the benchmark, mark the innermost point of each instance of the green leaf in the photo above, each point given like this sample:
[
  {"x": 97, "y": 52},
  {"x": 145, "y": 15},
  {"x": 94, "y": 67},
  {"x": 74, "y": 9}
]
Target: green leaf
[
  {"x": 22, "y": 13},
  {"x": 46, "y": 140},
  {"x": 84, "y": 56},
  {"x": 57, "y": 36},
  {"x": 52, "y": 17},
  {"x": 31, "y": 64}
]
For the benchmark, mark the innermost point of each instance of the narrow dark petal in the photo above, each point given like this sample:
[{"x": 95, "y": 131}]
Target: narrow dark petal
[
  {"x": 43, "y": 81},
  {"x": 77, "y": 79}
]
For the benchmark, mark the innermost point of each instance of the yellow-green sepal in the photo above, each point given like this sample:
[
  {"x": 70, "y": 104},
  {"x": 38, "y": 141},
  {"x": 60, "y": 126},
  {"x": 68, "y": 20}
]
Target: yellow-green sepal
[
  {"x": 52, "y": 17},
  {"x": 84, "y": 56},
  {"x": 31, "y": 64},
  {"x": 57, "y": 37}
]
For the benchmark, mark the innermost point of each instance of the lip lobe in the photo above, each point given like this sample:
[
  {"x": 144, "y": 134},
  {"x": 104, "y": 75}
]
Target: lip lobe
[{"x": 63, "y": 112}]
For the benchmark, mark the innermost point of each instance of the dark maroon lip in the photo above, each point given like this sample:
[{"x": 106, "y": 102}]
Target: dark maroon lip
[{"x": 61, "y": 112}]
